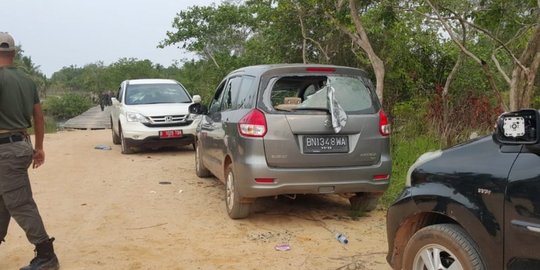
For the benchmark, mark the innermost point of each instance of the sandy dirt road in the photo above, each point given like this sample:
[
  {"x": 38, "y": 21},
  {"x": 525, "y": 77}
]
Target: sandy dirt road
[{"x": 110, "y": 211}]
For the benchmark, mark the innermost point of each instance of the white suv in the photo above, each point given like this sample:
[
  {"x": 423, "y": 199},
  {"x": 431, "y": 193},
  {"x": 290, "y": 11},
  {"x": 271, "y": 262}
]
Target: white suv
[{"x": 153, "y": 113}]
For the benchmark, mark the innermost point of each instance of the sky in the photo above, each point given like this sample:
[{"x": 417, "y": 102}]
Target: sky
[{"x": 60, "y": 33}]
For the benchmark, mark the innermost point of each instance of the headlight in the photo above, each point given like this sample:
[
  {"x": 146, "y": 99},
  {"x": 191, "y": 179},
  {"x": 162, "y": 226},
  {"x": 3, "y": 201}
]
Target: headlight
[
  {"x": 136, "y": 117},
  {"x": 428, "y": 156}
]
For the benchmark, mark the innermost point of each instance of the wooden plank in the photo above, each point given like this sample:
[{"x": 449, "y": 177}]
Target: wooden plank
[{"x": 92, "y": 119}]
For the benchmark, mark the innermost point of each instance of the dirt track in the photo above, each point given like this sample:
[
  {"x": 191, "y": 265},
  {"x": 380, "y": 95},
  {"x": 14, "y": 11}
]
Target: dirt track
[{"x": 110, "y": 211}]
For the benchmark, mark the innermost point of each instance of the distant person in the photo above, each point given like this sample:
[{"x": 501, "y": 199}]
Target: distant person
[
  {"x": 109, "y": 98},
  {"x": 102, "y": 101},
  {"x": 19, "y": 103}
]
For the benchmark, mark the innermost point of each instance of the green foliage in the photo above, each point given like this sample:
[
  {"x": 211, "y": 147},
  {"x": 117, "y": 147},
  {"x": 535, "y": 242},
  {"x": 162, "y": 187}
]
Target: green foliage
[
  {"x": 66, "y": 106},
  {"x": 51, "y": 126},
  {"x": 405, "y": 151}
]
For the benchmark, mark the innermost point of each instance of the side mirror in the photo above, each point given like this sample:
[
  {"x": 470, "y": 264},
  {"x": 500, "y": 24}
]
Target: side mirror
[
  {"x": 197, "y": 99},
  {"x": 520, "y": 127},
  {"x": 114, "y": 101}
]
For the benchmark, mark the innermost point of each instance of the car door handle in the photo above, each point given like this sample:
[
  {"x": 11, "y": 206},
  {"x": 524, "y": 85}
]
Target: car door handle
[{"x": 532, "y": 227}]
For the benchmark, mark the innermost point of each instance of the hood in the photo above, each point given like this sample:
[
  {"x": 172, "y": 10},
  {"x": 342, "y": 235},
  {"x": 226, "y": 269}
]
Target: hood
[{"x": 160, "y": 109}]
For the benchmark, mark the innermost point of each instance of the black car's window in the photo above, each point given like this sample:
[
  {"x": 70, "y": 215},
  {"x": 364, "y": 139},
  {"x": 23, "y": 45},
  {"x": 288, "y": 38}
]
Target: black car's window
[
  {"x": 138, "y": 94},
  {"x": 311, "y": 92}
]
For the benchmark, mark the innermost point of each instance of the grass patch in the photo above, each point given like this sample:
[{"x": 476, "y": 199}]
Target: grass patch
[{"x": 405, "y": 151}]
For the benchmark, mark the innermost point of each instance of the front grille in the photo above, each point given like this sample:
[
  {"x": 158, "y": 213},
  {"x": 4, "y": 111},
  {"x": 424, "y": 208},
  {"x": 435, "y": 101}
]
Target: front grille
[{"x": 168, "y": 121}]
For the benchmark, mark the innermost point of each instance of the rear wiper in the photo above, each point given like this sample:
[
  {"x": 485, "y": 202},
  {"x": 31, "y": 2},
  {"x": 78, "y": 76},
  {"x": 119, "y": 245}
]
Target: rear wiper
[{"x": 312, "y": 109}]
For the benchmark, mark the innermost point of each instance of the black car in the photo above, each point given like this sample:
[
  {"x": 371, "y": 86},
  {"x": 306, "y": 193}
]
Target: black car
[{"x": 472, "y": 206}]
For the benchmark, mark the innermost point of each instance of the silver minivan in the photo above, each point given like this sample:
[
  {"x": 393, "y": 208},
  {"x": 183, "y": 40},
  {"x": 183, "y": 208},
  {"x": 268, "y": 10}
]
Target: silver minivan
[{"x": 295, "y": 129}]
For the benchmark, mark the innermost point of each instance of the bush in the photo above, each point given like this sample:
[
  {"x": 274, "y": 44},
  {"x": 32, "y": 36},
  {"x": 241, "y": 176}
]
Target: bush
[
  {"x": 405, "y": 151},
  {"x": 66, "y": 106}
]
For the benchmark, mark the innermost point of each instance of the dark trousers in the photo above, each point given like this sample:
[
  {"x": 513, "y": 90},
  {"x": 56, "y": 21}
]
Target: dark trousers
[{"x": 16, "y": 200}]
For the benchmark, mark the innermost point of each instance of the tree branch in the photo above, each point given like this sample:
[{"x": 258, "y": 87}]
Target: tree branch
[
  {"x": 499, "y": 68},
  {"x": 482, "y": 63},
  {"x": 487, "y": 33},
  {"x": 304, "y": 35}
]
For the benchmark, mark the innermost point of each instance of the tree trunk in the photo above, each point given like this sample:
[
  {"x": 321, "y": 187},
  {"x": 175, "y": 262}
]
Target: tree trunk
[
  {"x": 362, "y": 40},
  {"x": 522, "y": 84}
]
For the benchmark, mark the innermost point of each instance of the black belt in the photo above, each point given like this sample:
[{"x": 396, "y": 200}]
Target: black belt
[{"x": 12, "y": 138}]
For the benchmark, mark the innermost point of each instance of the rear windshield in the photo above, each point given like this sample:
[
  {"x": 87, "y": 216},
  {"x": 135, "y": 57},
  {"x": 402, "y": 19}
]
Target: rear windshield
[
  {"x": 311, "y": 93},
  {"x": 156, "y": 93}
]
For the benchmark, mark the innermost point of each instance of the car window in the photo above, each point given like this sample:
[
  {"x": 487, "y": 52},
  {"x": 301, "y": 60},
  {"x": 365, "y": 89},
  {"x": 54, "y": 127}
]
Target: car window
[
  {"x": 294, "y": 92},
  {"x": 246, "y": 93},
  {"x": 215, "y": 105},
  {"x": 120, "y": 94},
  {"x": 138, "y": 94},
  {"x": 231, "y": 94}
]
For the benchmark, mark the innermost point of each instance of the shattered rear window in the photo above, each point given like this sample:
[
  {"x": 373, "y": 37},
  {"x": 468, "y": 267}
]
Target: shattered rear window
[{"x": 295, "y": 93}]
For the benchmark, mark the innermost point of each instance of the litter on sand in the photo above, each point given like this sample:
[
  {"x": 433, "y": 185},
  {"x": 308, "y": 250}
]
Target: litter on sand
[
  {"x": 283, "y": 247},
  {"x": 102, "y": 147}
]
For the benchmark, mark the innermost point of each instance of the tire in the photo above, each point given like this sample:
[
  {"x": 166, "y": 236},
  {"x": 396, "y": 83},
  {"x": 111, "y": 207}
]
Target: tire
[
  {"x": 235, "y": 208},
  {"x": 115, "y": 137},
  {"x": 126, "y": 147},
  {"x": 200, "y": 170},
  {"x": 445, "y": 246},
  {"x": 364, "y": 201}
]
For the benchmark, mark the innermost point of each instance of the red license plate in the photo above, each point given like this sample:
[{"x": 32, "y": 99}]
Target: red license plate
[{"x": 167, "y": 134}]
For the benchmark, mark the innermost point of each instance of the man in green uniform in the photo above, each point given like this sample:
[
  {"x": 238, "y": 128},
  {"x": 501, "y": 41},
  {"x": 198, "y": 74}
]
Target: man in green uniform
[{"x": 19, "y": 103}]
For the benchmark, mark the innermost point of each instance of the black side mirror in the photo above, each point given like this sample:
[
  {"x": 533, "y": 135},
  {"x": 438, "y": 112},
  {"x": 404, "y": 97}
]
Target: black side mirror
[
  {"x": 197, "y": 108},
  {"x": 520, "y": 127}
]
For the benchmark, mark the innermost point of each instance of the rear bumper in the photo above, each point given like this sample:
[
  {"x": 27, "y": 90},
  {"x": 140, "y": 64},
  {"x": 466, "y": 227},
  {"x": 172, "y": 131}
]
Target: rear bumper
[{"x": 307, "y": 180}]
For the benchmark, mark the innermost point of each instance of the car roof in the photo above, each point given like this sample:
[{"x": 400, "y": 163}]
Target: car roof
[
  {"x": 151, "y": 81},
  {"x": 260, "y": 69}
]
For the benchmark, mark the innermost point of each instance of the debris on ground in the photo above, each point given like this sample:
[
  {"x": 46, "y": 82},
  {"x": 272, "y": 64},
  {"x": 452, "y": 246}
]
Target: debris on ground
[{"x": 102, "y": 147}]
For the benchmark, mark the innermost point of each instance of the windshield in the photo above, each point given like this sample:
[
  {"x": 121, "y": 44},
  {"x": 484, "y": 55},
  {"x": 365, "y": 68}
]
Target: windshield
[
  {"x": 137, "y": 94},
  {"x": 304, "y": 93}
]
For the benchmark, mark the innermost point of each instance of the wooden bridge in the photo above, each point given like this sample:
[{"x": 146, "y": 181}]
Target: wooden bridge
[{"x": 92, "y": 119}]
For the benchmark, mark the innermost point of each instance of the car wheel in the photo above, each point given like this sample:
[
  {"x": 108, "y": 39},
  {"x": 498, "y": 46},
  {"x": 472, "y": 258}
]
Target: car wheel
[
  {"x": 235, "y": 208},
  {"x": 364, "y": 201},
  {"x": 115, "y": 137},
  {"x": 126, "y": 148},
  {"x": 200, "y": 169},
  {"x": 442, "y": 246}
]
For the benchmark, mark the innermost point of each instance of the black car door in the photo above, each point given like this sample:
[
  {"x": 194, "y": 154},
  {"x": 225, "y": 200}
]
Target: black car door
[{"x": 522, "y": 212}]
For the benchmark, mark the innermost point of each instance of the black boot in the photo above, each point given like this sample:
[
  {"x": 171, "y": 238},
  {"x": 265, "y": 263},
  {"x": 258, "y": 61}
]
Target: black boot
[{"x": 45, "y": 258}]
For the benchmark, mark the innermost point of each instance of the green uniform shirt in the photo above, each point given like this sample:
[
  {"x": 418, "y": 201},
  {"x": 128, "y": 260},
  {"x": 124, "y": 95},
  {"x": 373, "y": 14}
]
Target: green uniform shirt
[{"x": 18, "y": 94}]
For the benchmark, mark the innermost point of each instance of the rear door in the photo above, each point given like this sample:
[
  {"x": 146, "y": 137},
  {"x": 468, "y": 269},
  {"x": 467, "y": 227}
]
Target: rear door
[{"x": 300, "y": 130}]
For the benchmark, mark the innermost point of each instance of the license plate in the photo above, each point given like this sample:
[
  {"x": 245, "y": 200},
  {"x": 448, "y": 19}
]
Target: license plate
[
  {"x": 326, "y": 144},
  {"x": 168, "y": 134}
]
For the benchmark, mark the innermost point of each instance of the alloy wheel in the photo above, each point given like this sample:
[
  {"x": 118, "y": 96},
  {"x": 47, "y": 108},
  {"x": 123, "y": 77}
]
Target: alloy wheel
[{"x": 436, "y": 257}]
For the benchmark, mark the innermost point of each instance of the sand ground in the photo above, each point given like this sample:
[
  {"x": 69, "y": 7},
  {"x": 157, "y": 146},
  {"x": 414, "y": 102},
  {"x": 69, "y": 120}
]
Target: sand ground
[{"x": 150, "y": 211}]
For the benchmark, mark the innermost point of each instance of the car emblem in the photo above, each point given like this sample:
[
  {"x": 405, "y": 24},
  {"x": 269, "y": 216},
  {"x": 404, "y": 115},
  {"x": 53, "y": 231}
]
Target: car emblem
[
  {"x": 327, "y": 123},
  {"x": 168, "y": 119}
]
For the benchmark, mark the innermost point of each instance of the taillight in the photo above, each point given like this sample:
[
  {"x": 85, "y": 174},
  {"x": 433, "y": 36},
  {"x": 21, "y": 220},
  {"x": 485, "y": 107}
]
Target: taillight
[
  {"x": 380, "y": 177},
  {"x": 384, "y": 126},
  {"x": 253, "y": 124}
]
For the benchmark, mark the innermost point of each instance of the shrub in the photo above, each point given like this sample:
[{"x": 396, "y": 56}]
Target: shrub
[{"x": 66, "y": 106}]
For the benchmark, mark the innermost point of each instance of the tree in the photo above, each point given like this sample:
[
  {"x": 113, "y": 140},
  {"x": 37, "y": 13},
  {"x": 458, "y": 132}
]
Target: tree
[{"x": 496, "y": 21}]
